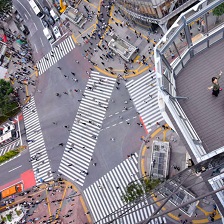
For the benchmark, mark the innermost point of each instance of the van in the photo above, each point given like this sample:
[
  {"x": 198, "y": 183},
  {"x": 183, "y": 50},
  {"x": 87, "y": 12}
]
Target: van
[
  {"x": 54, "y": 15},
  {"x": 48, "y": 35}
]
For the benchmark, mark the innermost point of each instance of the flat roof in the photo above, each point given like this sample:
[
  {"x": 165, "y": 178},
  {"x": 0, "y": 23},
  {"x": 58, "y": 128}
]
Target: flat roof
[
  {"x": 204, "y": 111},
  {"x": 160, "y": 159}
]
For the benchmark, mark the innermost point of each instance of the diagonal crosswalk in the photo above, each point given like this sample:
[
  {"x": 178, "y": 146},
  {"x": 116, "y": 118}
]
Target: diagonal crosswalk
[
  {"x": 58, "y": 52},
  {"x": 143, "y": 92},
  {"x": 37, "y": 149},
  {"x": 104, "y": 196},
  {"x": 86, "y": 127}
]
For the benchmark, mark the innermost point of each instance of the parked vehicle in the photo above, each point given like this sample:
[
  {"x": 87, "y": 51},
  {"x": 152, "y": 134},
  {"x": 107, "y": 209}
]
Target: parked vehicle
[
  {"x": 48, "y": 35},
  {"x": 54, "y": 14},
  {"x": 50, "y": 20},
  {"x": 57, "y": 32},
  {"x": 44, "y": 23},
  {"x": 46, "y": 10},
  {"x": 24, "y": 29}
]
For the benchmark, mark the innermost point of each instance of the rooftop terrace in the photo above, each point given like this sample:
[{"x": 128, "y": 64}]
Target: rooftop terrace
[{"x": 205, "y": 112}]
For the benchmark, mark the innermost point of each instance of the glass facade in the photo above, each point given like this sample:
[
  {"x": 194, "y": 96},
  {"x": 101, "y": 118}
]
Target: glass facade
[{"x": 148, "y": 12}]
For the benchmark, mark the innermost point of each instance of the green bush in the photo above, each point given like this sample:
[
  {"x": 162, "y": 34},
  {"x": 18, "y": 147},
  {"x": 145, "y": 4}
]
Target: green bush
[
  {"x": 8, "y": 155},
  {"x": 9, "y": 217}
]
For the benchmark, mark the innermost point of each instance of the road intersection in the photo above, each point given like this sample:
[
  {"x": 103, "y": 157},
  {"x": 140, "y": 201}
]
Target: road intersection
[{"x": 83, "y": 119}]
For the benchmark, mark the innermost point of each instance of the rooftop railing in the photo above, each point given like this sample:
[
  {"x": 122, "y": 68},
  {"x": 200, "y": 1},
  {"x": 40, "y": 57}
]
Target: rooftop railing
[{"x": 172, "y": 53}]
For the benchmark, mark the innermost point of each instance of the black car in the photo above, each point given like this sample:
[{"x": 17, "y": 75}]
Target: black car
[
  {"x": 45, "y": 24},
  {"x": 46, "y": 10},
  {"x": 50, "y": 20}
]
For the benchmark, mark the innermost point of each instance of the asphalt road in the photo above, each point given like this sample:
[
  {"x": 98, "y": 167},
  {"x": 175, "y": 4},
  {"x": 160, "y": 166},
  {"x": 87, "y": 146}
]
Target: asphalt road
[
  {"x": 20, "y": 164},
  {"x": 50, "y": 108},
  {"x": 39, "y": 42}
]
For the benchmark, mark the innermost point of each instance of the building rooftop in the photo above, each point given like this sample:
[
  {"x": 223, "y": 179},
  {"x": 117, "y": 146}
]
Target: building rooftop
[
  {"x": 205, "y": 111},
  {"x": 160, "y": 159},
  {"x": 123, "y": 48}
]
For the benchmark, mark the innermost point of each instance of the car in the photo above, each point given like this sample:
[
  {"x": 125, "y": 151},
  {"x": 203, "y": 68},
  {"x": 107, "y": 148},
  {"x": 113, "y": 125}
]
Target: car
[
  {"x": 46, "y": 10},
  {"x": 18, "y": 18},
  {"x": 24, "y": 29},
  {"x": 50, "y": 20},
  {"x": 57, "y": 32},
  {"x": 44, "y": 23}
]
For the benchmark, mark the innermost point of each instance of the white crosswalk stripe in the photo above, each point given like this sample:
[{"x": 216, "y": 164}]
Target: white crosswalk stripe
[
  {"x": 104, "y": 196},
  {"x": 59, "y": 52},
  {"x": 86, "y": 127},
  {"x": 9, "y": 146},
  {"x": 143, "y": 92},
  {"x": 37, "y": 149}
]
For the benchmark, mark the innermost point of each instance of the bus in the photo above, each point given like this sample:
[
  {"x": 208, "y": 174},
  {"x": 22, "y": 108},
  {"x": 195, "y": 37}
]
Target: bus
[
  {"x": 36, "y": 8},
  {"x": 11, "y": 190}
]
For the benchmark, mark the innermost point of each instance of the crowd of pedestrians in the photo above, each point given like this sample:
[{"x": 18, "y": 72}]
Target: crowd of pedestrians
[
  {"x": 21, "y": 65},
  {"x": 58, "y": 196}
]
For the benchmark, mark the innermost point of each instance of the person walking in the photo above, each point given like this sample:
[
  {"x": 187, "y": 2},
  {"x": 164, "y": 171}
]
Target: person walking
[{"x": 215, "y": 85}]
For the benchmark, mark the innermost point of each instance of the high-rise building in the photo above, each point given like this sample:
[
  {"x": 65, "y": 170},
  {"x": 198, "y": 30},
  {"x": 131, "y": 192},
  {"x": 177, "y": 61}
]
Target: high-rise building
[{"x": 151, "y": 13}]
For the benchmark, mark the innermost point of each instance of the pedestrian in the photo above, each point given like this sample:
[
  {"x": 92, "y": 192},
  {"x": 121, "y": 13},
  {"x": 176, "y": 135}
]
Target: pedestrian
[
  {"x": 215, "y": 85},
  {"x": 61, "y": 144},
  {"x": 77, "y": 61},
  {"x": 59, "y": 68},
  {"x": 73, "y": 73}
]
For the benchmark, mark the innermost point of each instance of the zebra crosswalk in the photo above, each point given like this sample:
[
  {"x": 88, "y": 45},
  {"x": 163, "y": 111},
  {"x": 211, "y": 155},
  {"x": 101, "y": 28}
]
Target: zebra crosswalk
[
  {"x": 10, "y": 146},
  {"x": 55, "y": 55},
  {"x": 86, "y": 127},
  {"x": 104, "y": 196},
  {"x": 143, "y": 92},
  {"x": 37, "y": 149}
]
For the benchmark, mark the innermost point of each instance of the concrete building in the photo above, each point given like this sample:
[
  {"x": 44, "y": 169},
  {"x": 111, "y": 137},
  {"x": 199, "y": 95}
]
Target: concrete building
[
  {"x": 149, "y": 13},
  {"x": 186, "y": 104},
  {"x": 160, "y": 160},
  {"x": 123, "y": 48},
  {"x": 74, "y": 16}
]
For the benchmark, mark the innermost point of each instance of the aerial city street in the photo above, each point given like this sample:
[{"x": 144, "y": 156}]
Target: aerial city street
[{"x": 105, "y": 115}]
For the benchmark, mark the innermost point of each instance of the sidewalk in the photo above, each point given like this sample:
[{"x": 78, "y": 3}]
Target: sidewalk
[
  {"x": 53, "y": 202},
  {"x": 22, "y": 74},
  {"x": 178, "y": 158},
  {"x": 97, "y": 34}
]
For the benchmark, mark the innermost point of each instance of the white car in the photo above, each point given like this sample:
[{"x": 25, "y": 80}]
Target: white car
[{"x": 57, "y": 32}]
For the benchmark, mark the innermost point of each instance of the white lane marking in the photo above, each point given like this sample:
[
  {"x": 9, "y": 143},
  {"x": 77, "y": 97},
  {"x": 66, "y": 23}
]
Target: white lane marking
[
  {"x": 41, "y": 42},
  {"x": 24, "y": 8},
  {"x": 36, "y": 48},
  {"x": 26, "y": 16},
  {"x": 15, "y": 168},
  {"x": 31, "y": 33},
  {"x": 21, "y": 141},
  {"x": 35, "y": 26}
]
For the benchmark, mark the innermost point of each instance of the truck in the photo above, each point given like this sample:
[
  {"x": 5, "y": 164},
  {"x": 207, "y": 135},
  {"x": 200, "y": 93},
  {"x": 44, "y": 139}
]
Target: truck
[
  {"x": 48, "y": 34},
  {"x": 11, "y": 190}
]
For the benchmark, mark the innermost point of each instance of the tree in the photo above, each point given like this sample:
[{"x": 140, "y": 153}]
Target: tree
[
  {"x": 8, "y": 103},
  {"x": 135, "y": 190},
  {"x": 5, "y": 6},
  {"x": 218, "y": 11}
]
